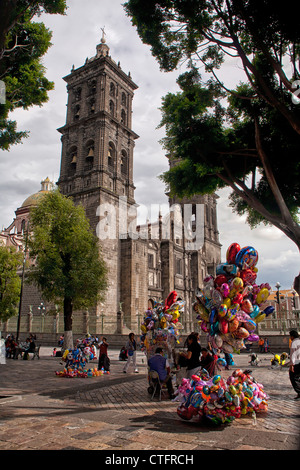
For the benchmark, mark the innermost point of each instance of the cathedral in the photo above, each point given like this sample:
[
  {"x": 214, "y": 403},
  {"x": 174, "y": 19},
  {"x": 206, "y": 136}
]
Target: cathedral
[{"x": 144, "y": 262}]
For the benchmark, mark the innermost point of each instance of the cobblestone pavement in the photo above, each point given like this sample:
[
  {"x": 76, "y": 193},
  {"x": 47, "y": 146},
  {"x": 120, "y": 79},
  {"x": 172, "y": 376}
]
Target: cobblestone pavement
[{"x": 40, "y": 411}]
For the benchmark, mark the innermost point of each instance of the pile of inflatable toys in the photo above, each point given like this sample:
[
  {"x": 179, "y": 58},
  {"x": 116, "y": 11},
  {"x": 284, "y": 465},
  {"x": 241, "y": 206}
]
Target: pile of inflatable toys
[
  {"x": 76, "y": 360},
  {"x": 161, "y": 325},
  {"x": 84, "y": 373},
  {"x": 217, "y": 401},
  {"x": 230, "y": 305}
]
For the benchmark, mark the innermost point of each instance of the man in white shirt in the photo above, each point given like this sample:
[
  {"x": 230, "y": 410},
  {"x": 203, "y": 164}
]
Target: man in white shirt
[{"x": 294, "y": 371}]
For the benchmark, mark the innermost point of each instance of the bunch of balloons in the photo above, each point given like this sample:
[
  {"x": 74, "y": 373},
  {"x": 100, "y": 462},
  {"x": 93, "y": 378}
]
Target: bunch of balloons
[
  {"x": 71, "y": 373},
  {"x": 218, "y": 401},
  {"x": 76, "y": 360},
  {"x": 161, "y": 322},
  {"x": 88, "y": 346},
  {"x": 230, "y": 305}
]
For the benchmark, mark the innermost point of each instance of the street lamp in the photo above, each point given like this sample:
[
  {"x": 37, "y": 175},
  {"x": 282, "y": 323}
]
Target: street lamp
[
  {"x": 42, "y": 309},
  {"x": 22, "y": 282},
  {"x": 278, "y": 285}
]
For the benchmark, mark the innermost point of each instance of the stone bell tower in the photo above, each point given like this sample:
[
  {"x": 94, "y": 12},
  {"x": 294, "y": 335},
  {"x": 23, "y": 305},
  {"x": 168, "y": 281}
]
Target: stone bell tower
[{"x": 97, "y": 155}]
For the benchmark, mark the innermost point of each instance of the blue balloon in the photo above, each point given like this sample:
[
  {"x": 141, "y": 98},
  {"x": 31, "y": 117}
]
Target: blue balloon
[
  {"x": 225, "y": 268},
  {"x": 255, "y": 312},
  {"x": 213, "y": 315},
  {"x": 268, "y": 310},
  {"x": 247, "y": 255},
  {"x": 214, "y": 328}
]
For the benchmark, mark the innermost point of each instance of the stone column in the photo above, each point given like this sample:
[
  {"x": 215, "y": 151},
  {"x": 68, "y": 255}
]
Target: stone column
[{"x": 119, "y": 329}]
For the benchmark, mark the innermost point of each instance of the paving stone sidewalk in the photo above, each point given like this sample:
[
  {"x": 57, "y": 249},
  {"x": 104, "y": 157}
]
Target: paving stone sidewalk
[{"x": 40, "y": 411}]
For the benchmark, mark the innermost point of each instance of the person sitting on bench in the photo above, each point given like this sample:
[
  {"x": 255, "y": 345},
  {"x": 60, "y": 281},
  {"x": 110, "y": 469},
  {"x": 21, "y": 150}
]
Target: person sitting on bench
[{"x": 30, "y": 347}]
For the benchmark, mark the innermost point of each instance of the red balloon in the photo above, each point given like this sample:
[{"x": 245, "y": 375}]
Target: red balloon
[
  {"x": 220, "y": 279},
  {"x": 185, "y": 413},
  {"x": 248, "y": 276},
  {"x": 238, "y": 299},
  {"x": 170, "y": 300},
  {"x": 232, "y": 252},
  {"x": 224, "y": 326}
]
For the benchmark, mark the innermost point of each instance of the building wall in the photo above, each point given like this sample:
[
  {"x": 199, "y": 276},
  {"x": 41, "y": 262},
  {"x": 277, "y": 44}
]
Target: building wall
[{"x": 96, "y": 171}]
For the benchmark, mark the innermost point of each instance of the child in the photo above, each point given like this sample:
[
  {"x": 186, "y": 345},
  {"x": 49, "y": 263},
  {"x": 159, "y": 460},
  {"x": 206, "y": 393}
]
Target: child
[
  {"x": 123, "y": 354},
  {"x": 103, "y": 357}
]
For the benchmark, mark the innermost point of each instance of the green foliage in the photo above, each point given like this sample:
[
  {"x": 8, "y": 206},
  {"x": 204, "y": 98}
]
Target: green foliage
[
  {"x": 9, "y": 134},
  {"x": 23, "y": 43},
  {"x": 208, "y": 152},
  {"x": 10, "y": 282},
  {"x": 68, "y": 263}
]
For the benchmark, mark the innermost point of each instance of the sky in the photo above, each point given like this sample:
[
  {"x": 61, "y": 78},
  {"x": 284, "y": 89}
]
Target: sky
[{"x": 74, "y": 38}]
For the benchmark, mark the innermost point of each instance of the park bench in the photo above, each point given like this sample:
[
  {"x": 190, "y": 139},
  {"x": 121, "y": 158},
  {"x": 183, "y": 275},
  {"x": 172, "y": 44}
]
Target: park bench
[{"x": 35, "y": 353}]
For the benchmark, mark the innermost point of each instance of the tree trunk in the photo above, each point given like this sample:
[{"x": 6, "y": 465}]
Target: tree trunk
[{"x": 68, "y": 310}]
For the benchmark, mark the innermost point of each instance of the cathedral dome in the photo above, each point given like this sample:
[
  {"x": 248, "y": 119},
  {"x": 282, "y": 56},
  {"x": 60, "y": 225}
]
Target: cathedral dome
[
  {"x": 33, "y": 199},
  {"x": 46, "y": 186}
]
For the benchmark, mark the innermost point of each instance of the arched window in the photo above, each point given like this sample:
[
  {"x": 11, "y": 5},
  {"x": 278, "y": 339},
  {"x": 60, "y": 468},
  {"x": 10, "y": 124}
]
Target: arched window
[
  {"x": 124, "y": 163},
  {"x": 111, "y": 108},
  {"x": 76, "y": 112},
  {"x": 207, "y": 215},
  {"x": 93, "y": 86},
  {"x": 77, "y": 94},
  {"x": 111, "y": 155},
  {"x": 112, "y": 89},
  {"x": 123, "y": 117},
  {"x": 23, "y": 226},
  {"x": 72, "y": 158},
  {"x": 92, "y": 106},
  {"x": 89, "y": 155}
]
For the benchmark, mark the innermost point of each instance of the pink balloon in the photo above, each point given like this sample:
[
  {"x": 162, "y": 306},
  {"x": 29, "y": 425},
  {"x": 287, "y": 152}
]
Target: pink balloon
[{"x": 253, "y": 338}]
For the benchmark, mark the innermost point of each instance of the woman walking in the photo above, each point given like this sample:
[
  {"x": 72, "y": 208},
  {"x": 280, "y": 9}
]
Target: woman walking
[{"x": 131, "y": 349}]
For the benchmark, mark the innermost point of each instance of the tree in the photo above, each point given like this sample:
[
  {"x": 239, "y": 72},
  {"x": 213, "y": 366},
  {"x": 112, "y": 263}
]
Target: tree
[
  {"x": 216, "y": 155},
  {"x": 68, "y": 267},
  {"x": 23, "y": 42},
  {"x": 10, "y": 282},
  {"x": 250, "y": 134}
]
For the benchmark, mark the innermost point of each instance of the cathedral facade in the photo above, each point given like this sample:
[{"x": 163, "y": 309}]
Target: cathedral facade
[
  {"x": 97, "y": 171},
  {"x": 175, "y": 252}
]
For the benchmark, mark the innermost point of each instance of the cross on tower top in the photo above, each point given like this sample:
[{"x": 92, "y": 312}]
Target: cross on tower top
[{"x": 103, "y": 35}]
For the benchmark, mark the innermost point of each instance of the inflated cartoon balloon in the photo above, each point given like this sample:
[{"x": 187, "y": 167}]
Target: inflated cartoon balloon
[
  {"x": 213, "y": 399},
  {"x": 247, "y": 257},
  {"x": 230, "y": 306},
  {"x": 161, "y": 325}
]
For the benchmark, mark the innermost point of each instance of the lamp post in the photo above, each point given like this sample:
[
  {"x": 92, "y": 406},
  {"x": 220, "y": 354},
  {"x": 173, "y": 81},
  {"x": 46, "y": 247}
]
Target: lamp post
[
  {"x": 22, "y": 283},
  {"x": 42, "y": 309}
]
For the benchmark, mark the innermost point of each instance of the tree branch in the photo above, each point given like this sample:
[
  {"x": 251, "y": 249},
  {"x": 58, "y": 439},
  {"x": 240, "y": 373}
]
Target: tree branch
[{"x": 286, "y": 215}]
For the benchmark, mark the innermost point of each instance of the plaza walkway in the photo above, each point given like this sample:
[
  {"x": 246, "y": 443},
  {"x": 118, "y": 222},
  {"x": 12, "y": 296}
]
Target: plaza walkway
[{"x": 40, "y": 411}]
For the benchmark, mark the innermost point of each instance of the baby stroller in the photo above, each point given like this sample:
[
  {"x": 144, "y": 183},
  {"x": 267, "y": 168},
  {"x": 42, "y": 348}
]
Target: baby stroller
[
  {"x": 253, "y": 359},
  {"x": 279, "y": 361}
]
